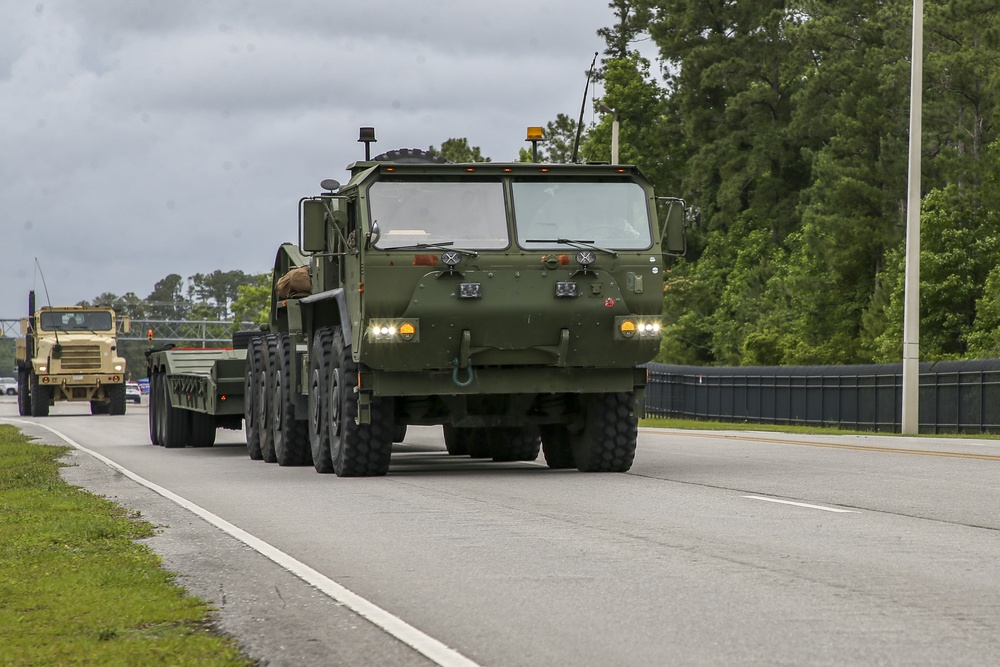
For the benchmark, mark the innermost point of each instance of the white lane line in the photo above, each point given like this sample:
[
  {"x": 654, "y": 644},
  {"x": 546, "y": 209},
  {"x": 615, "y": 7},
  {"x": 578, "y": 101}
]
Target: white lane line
[
  {"x": 395, "y": 626},
  {"x": 812, "y": 507}
]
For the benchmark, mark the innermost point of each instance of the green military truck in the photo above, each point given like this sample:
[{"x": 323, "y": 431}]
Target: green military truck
[
  {"x": 70, "y": 353},
  {"x": 511, "y": 303}
]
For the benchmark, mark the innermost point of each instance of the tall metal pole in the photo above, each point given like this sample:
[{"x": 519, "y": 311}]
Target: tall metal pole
[{"x": 911, "y": 309}]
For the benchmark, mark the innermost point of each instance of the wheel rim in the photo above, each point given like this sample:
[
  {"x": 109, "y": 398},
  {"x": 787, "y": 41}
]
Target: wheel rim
[
  {"x": 315, "y": 406},
  {"x": 334, "y": 404}
]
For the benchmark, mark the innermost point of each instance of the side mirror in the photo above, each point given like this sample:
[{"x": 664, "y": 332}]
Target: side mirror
[
  {"x": 673, "y": 239},
  {"x": 375, "y": 234},
  {"x": 312, "y": 225},
  {"x": 126, "y": 324}
]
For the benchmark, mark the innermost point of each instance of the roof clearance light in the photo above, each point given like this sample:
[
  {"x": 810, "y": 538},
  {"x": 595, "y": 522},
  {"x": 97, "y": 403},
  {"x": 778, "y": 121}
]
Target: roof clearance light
[{"x": 534, "y": 134}]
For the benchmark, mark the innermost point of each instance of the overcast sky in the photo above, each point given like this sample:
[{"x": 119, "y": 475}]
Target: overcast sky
[{"x": 140, "y": 138}]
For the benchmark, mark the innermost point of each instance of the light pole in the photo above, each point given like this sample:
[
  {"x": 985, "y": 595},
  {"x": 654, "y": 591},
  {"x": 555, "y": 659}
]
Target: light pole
[
  {"x": 911, "y": 309},
  {"x": 614, "y": 131}
]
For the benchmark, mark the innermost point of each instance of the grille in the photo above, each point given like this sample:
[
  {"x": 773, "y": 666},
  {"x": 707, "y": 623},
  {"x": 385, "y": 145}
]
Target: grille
[{"x": 81, "y": 358}]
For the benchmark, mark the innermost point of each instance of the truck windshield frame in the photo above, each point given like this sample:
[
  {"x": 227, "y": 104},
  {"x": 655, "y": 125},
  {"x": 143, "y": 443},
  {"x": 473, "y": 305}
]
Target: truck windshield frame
[
  {"x": 607, "y": 213},
  {"x": 75, "y": 320},
  {"x": 422, "y": 210}
]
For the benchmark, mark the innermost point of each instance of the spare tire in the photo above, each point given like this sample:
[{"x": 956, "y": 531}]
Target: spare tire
[{"x": 410, "y": 156}]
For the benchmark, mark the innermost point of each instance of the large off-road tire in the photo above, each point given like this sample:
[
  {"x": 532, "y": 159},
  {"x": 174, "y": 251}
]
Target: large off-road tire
[
  {"x": 290, "y": 435},
  {"x": 40, "y": 396},
  {"x": 264, "y": 398},
  {"x": 478, "y": 443},
  {"x": 241, "y": 339},
  {"x": 358, "y": 450},
  {"x": 607, "y": 441},
  {"x": 202, "y": 429},
  {"x": 100, "y": 407},
  {"x": 513, "y": 443},
  {"x": 251, "y": 396},
  {"x": 399, "y": 431},
  {"x": 456, "y": 440},
  {"x": 175, "y": 423},
  {"x": 154, "y": 437},
  {"x": 320, "y": 360},
  {"x": 557, "y": 446},
  {"x": 116, "y": 399},
  {"x": 410, "y": 156},
  {"x": 23, "y": 394}
]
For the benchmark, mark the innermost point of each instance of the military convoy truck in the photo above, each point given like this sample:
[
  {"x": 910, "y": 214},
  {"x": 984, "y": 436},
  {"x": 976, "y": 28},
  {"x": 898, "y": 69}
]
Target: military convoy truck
[
  {"x": 70, "y": 353},
  {"x": 511, "y": 303}
]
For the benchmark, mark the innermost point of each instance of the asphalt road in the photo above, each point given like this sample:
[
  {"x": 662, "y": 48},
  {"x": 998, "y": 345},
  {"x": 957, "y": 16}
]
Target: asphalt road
[{"x": 716, "y": 548}]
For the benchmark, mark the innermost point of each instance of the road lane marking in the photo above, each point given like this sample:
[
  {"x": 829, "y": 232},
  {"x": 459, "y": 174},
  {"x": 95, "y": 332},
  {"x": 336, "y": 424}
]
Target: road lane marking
[
  {"x": 424, "y": 644},
  {"x": 829, "y": 445},
  {"x": 792, "y": 502}
]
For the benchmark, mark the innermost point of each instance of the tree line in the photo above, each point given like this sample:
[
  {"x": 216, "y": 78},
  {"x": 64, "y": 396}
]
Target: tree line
[{"x": 785, "y": 124}]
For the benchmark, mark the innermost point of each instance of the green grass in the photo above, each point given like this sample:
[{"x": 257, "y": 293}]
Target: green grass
[
  {"x": 75, "y": 586},
  {"x": 659, "y": 422}
]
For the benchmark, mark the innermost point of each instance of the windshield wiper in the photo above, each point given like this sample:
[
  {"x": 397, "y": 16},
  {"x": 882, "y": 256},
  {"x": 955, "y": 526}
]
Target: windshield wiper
[
  {"x": 575, "y": 243},
  {"x": 442, "y": 244}
]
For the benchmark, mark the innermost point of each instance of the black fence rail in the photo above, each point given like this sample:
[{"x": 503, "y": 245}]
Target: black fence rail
[{"x": 955, "y": 396}]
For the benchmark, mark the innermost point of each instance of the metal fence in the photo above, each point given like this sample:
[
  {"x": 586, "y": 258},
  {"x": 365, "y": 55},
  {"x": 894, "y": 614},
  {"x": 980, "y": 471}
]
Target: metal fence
[{"x": 955, "y": 396}]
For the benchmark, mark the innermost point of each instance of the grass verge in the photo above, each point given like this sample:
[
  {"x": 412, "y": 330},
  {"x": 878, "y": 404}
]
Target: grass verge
[
  {"x": 694, "y": 424},
  {"x": 75, "y": 586}
]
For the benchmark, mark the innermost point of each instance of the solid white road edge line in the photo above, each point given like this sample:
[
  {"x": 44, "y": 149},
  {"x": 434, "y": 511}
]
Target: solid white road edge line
[
  {"x": 812, "y": 507},
  {"x": 395, "y": 626}
]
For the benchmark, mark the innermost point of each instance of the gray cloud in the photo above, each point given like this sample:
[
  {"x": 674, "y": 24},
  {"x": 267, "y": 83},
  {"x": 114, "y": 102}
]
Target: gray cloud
[{"x": 140, "y": 138}]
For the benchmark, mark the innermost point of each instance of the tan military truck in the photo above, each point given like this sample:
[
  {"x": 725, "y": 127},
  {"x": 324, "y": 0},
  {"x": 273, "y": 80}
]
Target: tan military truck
[{"x": 70, "y": 353}]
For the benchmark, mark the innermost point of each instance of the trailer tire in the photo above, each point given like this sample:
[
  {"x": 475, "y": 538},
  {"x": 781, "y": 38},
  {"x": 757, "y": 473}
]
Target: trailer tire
[
  {"x": 116, "y": 400},
  {"x": 264, "y": 398},
  {"x": 175, "y": 423},
  {"x": 289, "y": 435},
  {"x": 23, "y": 394},
  {"x": 517, "y": 443},
  {"x": 557, "y": 446},
  {"x": 456, "y": 440},
  {"x": 320, "y": 361},
  {"x": 357, "y": 450},
  {"x": 40, "y": 396},
  {"x": 202, "y": 429},
  {"x": 607, "y": 441},
  {"x": 154, "y": 379}
]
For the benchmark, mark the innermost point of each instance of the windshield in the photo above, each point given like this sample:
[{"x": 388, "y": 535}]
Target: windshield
[
  {"x": 466, "y": 214},
  {"x": 607, "y": 214},
  {"x": 55, "y": 320}
]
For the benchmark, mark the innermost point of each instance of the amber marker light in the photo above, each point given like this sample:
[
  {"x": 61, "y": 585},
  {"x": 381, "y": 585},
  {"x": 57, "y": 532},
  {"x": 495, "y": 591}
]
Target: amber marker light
[
  {"x": 407, "y": 330},
  {"x": 628, "y": 328}
]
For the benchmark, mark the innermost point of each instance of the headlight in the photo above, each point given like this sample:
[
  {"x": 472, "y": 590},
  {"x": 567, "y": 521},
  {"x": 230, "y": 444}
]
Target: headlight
[
  {"x": 393, "y": 330},
  {"x": 636, "y": 327}
]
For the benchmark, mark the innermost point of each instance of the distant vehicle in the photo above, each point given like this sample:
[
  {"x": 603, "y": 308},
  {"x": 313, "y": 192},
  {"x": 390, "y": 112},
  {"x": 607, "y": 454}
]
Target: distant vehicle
[
  {"x": 8, "y": 386},
  {"x": 70, "y": 353},
  {"x": 133, "y": 392},
  {"x": 144, "y": 385}
]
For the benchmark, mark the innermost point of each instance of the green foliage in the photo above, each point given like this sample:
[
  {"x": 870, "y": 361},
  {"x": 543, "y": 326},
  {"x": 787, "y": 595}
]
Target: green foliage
[
  {"x": 458, "y": 150},
  {"x": 253, "y": 302},
  {"x": 77, "y": 588}
]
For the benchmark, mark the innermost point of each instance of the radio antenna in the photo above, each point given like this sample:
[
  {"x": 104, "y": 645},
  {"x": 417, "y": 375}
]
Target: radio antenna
[
  {"x": 44, "y": 286},
  {"x": 583, "y": 105}
]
